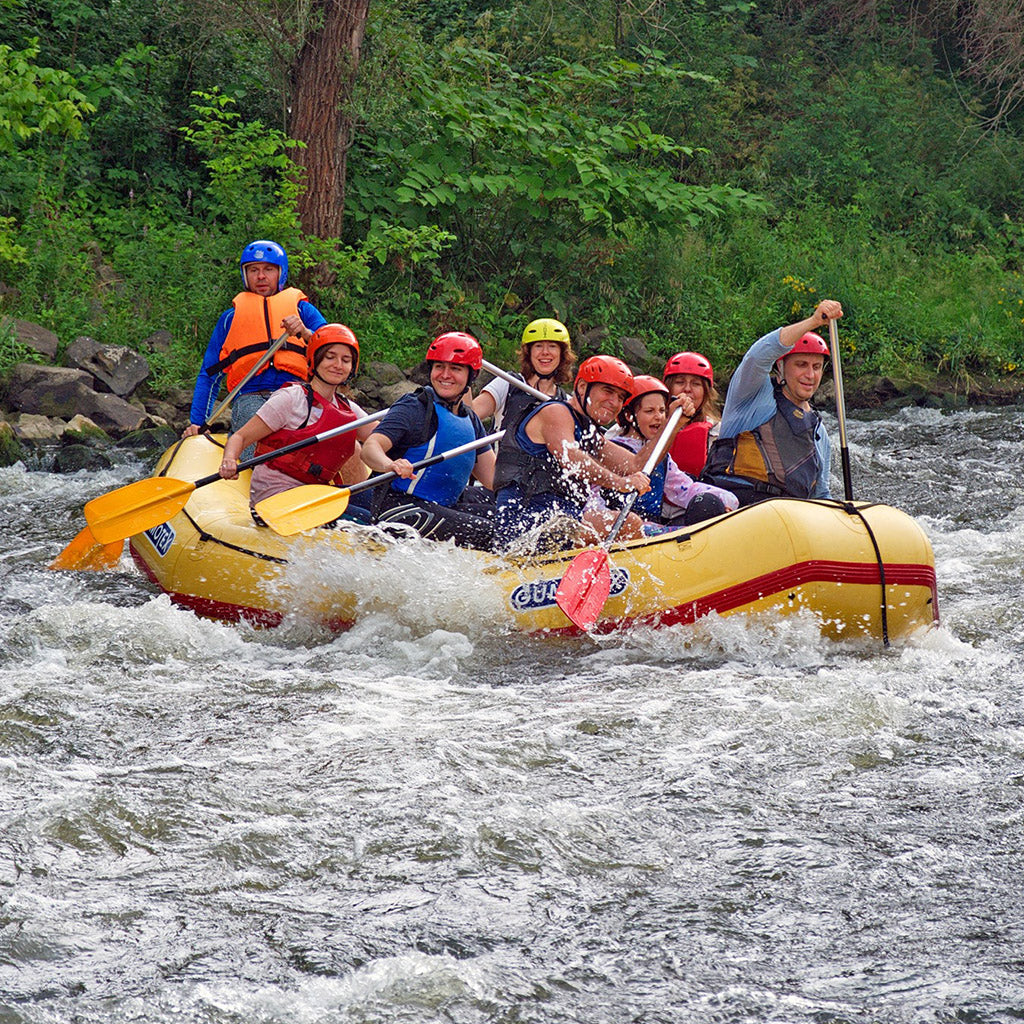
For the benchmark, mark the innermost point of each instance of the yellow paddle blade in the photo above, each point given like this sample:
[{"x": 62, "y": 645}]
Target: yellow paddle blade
[
  {"x": 302, "y": 508},
  {"x": 86, "y": 552},
  {"x": 139, "y": 506}
]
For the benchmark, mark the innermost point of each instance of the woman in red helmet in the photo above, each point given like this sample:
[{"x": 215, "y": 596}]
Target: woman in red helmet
[
  {"x": 558, "y": 452},
  {"x": 297, "y": 411},
  {"x": 771, "y": 441},
  {"x": 437, "y": 501},
  {"x": 675, "y": 497},
  {"x": 690, "y": 373}
]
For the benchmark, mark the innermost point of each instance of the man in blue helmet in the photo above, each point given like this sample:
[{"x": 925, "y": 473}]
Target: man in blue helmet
[{"x": 243, "y": 334}]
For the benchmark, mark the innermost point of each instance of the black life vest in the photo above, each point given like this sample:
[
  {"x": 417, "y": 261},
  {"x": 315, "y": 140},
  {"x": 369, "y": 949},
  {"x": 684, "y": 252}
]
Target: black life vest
[
  {"x": 777, "y": 458},
  {"x": 541, "y": 473}
]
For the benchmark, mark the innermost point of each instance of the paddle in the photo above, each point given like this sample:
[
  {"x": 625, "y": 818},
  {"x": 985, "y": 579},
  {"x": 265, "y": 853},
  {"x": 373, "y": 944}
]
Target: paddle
[
  {"x": 249, "y": 374},
  {"x": 585, "y": 586},
  {"x": 150, "y": 502},
  {"x": 837, "y": 376},
  {"x": 521, "y": 384},
  {"x": 312, "y": 505},
  {"x": 85, "y": 551}
]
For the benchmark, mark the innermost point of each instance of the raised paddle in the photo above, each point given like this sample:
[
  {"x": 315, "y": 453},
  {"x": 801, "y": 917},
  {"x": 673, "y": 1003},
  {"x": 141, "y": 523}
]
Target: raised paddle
[
  {"x": 150, "y": 502},
  {"x": 837, "y": 376},
  {"x": 312, "y": 505},
  {"x": 585, "y": 586}
]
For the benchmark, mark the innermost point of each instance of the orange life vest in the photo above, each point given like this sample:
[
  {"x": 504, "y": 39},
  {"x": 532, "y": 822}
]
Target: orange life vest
[{"x": 255, "y": 325}]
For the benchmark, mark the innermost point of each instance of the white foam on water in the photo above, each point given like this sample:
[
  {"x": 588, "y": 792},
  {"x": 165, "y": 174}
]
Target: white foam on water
[
  {"x": 405, "y": 981},
  {"x": 416, "y": 583}
]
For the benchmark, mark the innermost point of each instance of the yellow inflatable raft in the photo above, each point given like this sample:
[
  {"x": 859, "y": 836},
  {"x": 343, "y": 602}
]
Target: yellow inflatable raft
[{"x": 862, "y": 568}]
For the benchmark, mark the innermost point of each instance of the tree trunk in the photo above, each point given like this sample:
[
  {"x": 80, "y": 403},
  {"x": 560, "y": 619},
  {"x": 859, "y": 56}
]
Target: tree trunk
[{"x": 323, "y": 77}]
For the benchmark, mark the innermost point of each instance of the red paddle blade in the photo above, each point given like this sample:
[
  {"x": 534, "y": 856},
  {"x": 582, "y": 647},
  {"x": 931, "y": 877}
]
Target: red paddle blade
[{"x": 584, "y": 588}]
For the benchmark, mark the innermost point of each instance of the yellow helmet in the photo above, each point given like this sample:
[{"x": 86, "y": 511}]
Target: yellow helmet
[{"x": 546, "y": 329}]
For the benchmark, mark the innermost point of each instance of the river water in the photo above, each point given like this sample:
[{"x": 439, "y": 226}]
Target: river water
[{"x": 427, "y": 820}]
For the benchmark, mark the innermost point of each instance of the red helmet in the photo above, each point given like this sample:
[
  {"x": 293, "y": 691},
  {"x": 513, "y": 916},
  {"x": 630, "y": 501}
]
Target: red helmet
[
  {"x": 644, "y": 384},
  {"x": 812, "y": 343},
  {"x": 456, "y": 347},
  {"x": 690, "y": 362},
  {"x": 605, "y": 370},
  {"x": 332, "y": 334}
]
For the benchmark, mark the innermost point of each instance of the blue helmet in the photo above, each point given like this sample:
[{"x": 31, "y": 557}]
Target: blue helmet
[{"x": 265, "y": 252}]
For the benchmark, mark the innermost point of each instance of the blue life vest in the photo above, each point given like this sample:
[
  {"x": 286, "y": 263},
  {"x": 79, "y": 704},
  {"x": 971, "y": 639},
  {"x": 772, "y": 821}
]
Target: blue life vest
[
  {"x": 647, "y": 506},
  {"x": 445, "y": 481}
]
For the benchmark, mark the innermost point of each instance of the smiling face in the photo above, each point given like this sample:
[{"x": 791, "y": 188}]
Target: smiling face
[
  {"x": 801, "y": 376},
  {"x": 334, "y": 364},
  {"x": 262, "y": 278},
  {"x": 449, "y": 380},
  {"x": 603, "y": 402},
  {"x": 545, "y": 357}
]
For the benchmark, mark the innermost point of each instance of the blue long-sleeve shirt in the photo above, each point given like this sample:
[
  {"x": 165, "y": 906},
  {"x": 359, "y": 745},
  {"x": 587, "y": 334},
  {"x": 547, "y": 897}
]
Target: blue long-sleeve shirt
[
  {"x": 204, "y": 396},
  {"x": 750, "y": 402}
]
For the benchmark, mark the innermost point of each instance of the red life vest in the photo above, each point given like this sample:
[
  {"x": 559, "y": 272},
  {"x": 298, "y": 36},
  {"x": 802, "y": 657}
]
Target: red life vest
[
  {"x": 255, "y": 325},
  {"x": 690, "y": 448},
  {"x": 319, "y": 462}
]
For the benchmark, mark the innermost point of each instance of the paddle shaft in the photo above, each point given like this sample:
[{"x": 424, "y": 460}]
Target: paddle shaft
[
  {"x": 653, "y": 459},
  {"x": 521, "y": 384},
  {"x": 252, "y": 371},
  {"x": 837, "y": 376},
  {"x": 295, "y": 446},
  {"x": 469, "y": 446}
]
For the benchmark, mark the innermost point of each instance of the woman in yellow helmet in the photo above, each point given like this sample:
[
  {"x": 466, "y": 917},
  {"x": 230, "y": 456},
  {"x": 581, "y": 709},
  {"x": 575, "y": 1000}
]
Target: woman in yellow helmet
[{"x": 546, "y": 360}]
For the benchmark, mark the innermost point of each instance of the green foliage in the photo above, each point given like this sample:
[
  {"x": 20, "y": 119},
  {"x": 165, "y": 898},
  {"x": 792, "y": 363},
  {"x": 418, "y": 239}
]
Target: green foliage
[
  {"x": 536, "y": 176},
  {"x": 253, "y": 183},
  {"x": 13, "y": 351},
  {"x": 596, "y": 162},
  {"x": 37, "y": 101}
]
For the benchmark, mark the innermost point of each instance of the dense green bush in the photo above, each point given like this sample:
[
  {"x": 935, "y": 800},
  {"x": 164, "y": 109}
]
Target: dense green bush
[{"x": 691, "y": 174}]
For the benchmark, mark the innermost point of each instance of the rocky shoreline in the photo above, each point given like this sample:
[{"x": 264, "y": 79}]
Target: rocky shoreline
[{"x": 65, "y": 413}]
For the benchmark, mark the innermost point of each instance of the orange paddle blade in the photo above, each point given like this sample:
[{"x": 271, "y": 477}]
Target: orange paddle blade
[
  {"x": 585, "y": 586},
  {"x": 86, "y": 552},
  {"x": 302, "y": 508},
  {"x": 137, "y": 507}
]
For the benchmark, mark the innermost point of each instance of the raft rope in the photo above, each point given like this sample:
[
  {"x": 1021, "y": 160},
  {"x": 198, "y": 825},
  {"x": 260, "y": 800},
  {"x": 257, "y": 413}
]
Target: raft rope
[
  {"x": 209, "y": 538},
  {"x": 852, "y": 510},
  {"x": 848, "y": 507}
]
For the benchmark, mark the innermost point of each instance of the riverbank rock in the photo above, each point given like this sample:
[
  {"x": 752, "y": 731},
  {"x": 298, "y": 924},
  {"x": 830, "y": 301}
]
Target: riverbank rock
[
  {"x": 62, "y": 392},
  {"x": 33, "y": 336},
  {"x": 117, "y": 369},
  {"x": 11, "y": 450}
]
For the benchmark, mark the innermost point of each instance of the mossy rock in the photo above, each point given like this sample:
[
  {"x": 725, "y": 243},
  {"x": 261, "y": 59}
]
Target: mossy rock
[
  {"x": 11, "y": 449},
  {"x": 92, "y": 436},
  {"x": 71, "y": 458}
]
